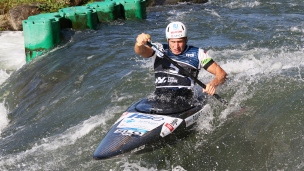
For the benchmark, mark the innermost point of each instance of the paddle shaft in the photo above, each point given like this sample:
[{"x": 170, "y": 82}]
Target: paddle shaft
[{"x": 186, "y": 72}]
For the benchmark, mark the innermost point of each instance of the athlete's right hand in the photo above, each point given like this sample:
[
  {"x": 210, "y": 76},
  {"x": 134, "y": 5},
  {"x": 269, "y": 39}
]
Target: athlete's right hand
[
  {"x": 142, "y": 39},
  {"x": 210, "y": 89}
]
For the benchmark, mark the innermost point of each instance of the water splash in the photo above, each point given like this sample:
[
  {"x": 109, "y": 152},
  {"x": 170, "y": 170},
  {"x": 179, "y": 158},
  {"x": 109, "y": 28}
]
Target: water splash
[
  {"x": 49, "y": 147},
  {"x": 12, "y": 55},
  {"x": 4, "y": 121},
  {"x": 3, "y": 76}
]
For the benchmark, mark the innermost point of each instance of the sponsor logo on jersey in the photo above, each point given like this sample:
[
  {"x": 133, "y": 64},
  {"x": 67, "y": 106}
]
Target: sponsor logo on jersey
[
  {"x": 190, "y": 54},
  {"x": 160, "y": 80},
  {"x": 172, "y": 80}
]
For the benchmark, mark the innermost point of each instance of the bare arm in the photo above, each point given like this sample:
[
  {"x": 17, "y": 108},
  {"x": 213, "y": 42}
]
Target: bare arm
[
  {"x": 140, "y": 46},
  {"x": 220, "y": 78},
  {"x": 220, "y": 74}
]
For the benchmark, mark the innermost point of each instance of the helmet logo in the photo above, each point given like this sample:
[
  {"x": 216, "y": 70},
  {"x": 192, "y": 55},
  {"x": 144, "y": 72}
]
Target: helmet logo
[{"x": 175, "y": 26}]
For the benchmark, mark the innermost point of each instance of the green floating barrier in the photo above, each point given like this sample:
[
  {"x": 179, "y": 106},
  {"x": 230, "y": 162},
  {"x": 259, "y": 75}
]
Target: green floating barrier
[
  {"x": 119, "y": 11},
  {"x": 32, "y": 54},
  {"x": 133, "y": 9},
  {"x": 64, "y": 23},
  {"x": 81, "y": 17},
  {"x": 43, "y": 31},
  {"x": 106, "y": 11},
  {"x": 40, "y": 34},
  {"x": 55, "y": 27}
]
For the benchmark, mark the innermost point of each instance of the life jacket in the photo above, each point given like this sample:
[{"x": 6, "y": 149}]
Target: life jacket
[{"x": 168, "y": 76}]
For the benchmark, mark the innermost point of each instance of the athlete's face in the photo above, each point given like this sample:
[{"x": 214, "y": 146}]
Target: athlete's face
[{"x": 177, "y": 46}]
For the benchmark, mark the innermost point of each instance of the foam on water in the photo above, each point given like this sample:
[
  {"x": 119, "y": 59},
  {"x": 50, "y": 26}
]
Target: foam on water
[
  {"x": 239, "y": 4},
  {"x": 12, "y": 55},
  {"x": 3, "y": 76},
  {"x": 48, "y": 147},
  {"x": 128, "y": 166},
  {"x": 257, "y": 61},
  {"x": 205, "y": 121},
  {"x": 244, "y": 71},
  {"x": 4, "y": 121}
]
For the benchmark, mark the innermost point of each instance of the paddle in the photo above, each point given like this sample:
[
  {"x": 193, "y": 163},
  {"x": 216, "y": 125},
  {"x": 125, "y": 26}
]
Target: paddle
[{"x": 186, "y": 72}]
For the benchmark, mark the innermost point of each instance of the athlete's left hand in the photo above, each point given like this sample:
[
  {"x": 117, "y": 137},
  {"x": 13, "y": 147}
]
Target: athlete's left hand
[
  {"x": 210, "y": 89},
  {"x": 142, "y": 39}
]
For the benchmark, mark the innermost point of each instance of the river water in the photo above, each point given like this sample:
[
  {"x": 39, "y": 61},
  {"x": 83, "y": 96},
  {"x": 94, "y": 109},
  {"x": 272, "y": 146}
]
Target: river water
[{"x": 55, "y": 110}]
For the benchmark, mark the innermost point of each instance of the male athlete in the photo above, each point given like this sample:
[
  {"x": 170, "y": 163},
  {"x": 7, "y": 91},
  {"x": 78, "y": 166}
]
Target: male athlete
[{"x": 168, "y": 77}]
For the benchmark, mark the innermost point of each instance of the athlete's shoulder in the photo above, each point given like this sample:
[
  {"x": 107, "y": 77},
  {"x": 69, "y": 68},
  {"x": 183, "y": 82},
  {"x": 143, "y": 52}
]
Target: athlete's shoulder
[{"x": 205, "y": 59}]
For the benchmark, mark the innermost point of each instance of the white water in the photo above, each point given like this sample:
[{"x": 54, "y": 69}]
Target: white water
[
  {"x": 56, "y": 143},
  {"x": 12, "y": 57},
  {"x": 3, "y": 117}
]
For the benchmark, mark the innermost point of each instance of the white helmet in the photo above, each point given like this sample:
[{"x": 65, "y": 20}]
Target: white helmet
[{"x": 176, "y": 30}]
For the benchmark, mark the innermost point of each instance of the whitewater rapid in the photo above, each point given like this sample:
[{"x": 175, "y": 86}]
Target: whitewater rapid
[{"x": 12, "y": 57}]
